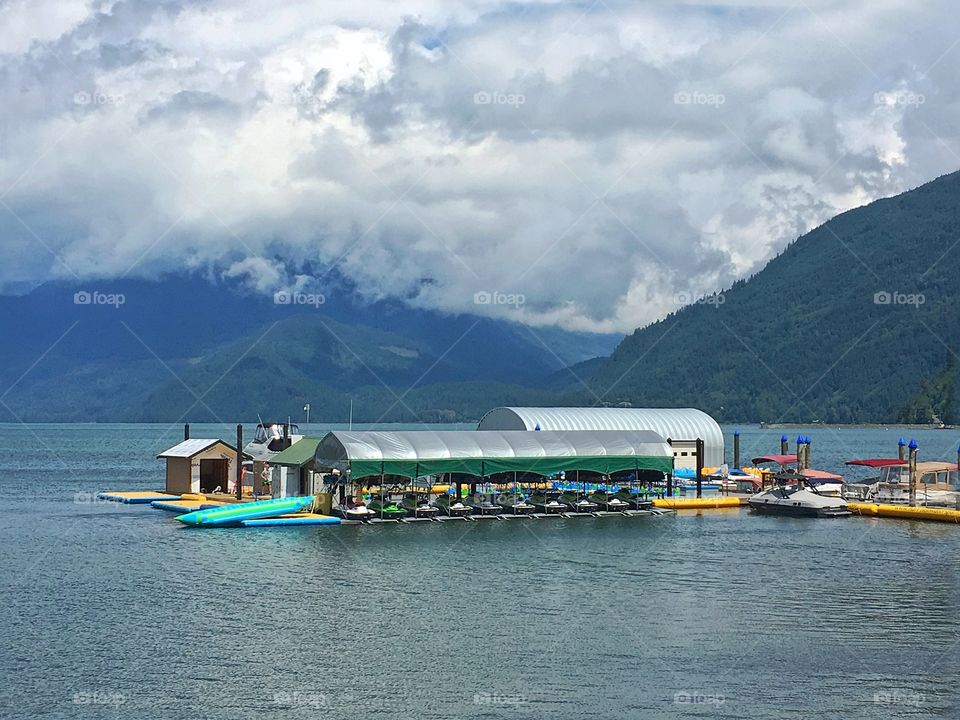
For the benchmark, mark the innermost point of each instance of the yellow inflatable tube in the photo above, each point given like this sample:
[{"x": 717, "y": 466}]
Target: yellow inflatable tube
[
  {"x": 698, "y": 503},
  {"x": 905, "y": 512}
]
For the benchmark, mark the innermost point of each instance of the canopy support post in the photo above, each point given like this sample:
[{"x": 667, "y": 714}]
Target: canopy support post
[{"x": 699, "y": 467}]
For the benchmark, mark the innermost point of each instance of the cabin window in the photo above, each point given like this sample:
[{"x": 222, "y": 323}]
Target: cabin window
[{"x": 928, "y": 479}]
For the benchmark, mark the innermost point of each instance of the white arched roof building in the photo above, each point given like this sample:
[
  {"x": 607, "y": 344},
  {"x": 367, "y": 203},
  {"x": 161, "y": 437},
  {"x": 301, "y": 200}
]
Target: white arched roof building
[{"x": 679, "y": 424}]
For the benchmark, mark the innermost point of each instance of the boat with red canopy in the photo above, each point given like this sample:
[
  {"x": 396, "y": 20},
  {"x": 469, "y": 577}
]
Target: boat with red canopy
[{"x": 935, "y": 482}]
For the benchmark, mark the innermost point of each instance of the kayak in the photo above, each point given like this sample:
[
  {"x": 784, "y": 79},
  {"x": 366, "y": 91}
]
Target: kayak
[{"x": 234, "y": 514}]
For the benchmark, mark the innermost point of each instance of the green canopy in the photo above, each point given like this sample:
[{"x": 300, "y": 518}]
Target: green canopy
[{"x": 414, "y": 453}]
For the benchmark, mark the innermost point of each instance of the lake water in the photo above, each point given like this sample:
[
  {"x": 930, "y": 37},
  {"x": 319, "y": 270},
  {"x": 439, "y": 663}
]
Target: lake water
[{"x": 115, "y": 611}]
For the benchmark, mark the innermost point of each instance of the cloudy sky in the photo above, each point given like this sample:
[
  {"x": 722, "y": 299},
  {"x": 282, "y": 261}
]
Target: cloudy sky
[{"x": 604, "y": 160}]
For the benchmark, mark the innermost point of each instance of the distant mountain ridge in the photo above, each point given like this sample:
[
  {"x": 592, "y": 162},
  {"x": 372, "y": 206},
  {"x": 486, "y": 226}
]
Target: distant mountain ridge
[
  {"x": 856, "y": 321},
  {"x": 136, "y": 350}
]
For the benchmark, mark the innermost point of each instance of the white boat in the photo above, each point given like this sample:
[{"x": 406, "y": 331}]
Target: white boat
[
  {"x": 354, "y": 511},
  {"x": 935, "y": 482},
  {"x": 271, "y": 438},
  {"x": 791, "y": 497}
]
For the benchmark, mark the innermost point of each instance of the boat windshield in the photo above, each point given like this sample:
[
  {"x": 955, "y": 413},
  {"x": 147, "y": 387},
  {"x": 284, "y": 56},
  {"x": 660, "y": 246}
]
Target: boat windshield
[
  {"x": 895, "y": 474},
  {"x": 938, "y": 478},
  {"x": 272, "y": 431}
]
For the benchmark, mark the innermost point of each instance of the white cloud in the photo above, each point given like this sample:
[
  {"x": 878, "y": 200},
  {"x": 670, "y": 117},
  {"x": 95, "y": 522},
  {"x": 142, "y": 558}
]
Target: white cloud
[{"x": 614, "y": 159}]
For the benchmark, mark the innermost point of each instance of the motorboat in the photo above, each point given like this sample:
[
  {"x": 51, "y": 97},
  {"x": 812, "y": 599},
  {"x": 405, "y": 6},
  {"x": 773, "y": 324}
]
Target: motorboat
[
  {"x": 547, "y": 502},
  {"x": 452, "y": 506},
  {"x": 418, "y": 505},
  {"x": 825, "y": 483},
  {"x": 271, "y": 438},
  {"x": 790, "y": 496},
  {"x": 514, "y": 504},
  {"x": 577, "y": 502},
  {"x": 608, "y": 501},
  {"x": 935, "y": 483},
  {"x": 386, "y": 508},
  {"x": 353, "y": 510},
  {"x": 634, "y": 501},
  {"x": 482, "y": 504}
]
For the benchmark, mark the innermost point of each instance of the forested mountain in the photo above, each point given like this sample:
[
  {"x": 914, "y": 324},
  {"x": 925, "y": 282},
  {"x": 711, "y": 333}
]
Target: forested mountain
[
  {"x": 189, "y": 348},
  {"x": 858, "y": 320}
]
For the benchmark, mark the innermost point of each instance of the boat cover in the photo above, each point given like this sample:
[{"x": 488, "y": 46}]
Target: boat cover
[{"x": 413, "y": 453}]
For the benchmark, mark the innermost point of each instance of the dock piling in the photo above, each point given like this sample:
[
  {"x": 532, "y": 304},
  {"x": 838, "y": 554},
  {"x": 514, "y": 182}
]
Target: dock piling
[
  {"x": 784, "y": 445},
  {"x": 901, "y": 449},
  {"x": 700, "y": 451},
  {"x": 913, "y": 472},
  {"x": 186, "y": 431},
  {"x": 736, "y": 449},
  {"x": 239, "y": 461}
]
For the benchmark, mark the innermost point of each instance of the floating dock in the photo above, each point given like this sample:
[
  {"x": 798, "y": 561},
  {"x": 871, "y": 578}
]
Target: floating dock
[
  {"x": 184, "y": 505},
  {"x": 136, "y": 497}
]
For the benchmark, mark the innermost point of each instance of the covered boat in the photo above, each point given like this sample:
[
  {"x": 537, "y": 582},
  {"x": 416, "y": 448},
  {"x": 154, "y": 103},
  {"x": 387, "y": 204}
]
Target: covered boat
[{"x": 935, "y": 482}]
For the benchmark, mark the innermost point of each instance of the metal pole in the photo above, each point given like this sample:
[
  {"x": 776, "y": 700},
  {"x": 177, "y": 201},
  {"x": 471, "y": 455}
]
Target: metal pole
[
  {"x": 670, "y": 474},
  {"x": 699, "y": 467},
  {"x": 736, "y": 449},
  {"x": 913, "y": 472},
  {"x": 239, "y": 462}
]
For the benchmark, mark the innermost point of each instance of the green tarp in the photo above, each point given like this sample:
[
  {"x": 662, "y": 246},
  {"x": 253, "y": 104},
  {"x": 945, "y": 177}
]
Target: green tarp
[{"x": 419, "y": 452}]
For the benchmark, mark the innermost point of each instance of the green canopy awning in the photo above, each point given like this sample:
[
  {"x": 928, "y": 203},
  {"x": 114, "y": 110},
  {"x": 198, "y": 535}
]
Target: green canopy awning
[
  {"x": 298, "y": 454},
  {"x": 414, "y": 453}
]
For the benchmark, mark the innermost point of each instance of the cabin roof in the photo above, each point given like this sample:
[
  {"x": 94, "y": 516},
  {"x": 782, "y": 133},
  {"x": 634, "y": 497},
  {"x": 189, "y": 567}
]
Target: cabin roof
[{"x": 192, "y": 447}]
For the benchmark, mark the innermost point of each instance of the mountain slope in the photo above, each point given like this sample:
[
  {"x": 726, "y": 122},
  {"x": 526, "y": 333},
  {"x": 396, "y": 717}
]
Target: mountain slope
[
  {"x": 855, "y": 321},
  {"x": 186, "y": 346}
]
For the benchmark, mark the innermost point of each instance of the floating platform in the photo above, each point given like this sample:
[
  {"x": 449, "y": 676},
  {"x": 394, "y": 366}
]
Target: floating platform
[
  {"x": 905, "y": 512},
  {"x": 136, "y": 497},
  {"x": 293, "y": 519},
  {"x": 185, "y": 506},
  {"x": 699, "y": 503}
]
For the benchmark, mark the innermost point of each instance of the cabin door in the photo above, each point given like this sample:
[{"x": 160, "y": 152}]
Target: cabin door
[{"x": 213, "y": 474}]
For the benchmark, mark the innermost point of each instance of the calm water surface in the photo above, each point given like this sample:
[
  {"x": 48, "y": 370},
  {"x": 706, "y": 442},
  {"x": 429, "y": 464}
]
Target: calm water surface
[{"x": 118, "y": 612}]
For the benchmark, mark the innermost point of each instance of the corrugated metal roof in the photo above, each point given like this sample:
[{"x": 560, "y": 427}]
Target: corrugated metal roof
[
  {"x": 298, "y": 454},
  {"x": 422, "y": 452},
  {"x": 674, "y": 423},
  {"x": 191, "y": 447}
]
